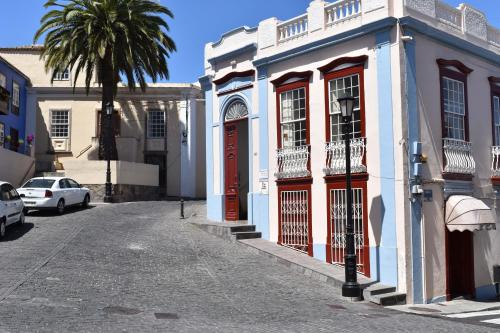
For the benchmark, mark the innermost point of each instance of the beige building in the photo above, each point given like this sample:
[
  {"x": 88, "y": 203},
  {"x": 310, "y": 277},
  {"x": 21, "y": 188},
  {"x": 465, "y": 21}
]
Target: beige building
[{"x": 159, "y": 133}]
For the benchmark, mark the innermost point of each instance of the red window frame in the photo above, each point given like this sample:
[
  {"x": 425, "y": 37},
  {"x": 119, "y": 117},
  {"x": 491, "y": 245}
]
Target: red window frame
[
  {"x": 297, "y": 187},
  {"x": 460, "y": 74},
  {"x": 302, "y": 83},
  {"x": 494, "y": 92},
  {"x": 338, "y": 184},
  {"x": 356, "y": 69}
]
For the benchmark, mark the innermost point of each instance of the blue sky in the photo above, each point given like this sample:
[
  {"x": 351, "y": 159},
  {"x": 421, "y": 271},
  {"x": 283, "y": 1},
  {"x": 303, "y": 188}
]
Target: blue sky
[{"x": 196, "y": 23}]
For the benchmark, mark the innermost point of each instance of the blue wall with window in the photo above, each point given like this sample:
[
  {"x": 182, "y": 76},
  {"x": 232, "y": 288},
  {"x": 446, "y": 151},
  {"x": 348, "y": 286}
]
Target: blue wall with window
[{"x": 10, "y": 119}]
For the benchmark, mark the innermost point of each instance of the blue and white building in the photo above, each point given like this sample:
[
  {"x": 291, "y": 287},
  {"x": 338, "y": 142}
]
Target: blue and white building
[
  {"x": 425, "y": 134},
  {"x": 17, "y": 124}
]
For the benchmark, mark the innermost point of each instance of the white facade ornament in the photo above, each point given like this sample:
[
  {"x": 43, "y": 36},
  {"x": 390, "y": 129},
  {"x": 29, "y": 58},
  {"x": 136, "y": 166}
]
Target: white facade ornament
[
  {"x": 316, "y": 15},
  {"x": 427, "y": 7},
  {"x": 474, "y": 22},
  {"x": 371, "y": 5},
  {"x": 267, "y": 33},
  {"x": 237, "y": 110}
]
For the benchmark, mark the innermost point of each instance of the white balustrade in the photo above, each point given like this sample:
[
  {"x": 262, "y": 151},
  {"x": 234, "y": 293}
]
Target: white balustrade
[
  {"x": 449, "y": 15},
  {"x": 342, "y": 10},
  {"x": 458, "y": 155},
  {"x": 335, "y": 157},
  {"x": 495, "y": 161},
  {"x": 292, "y": 162},
  {"x": 494, "y": 36},
  {"x": 293, "y": 28}
]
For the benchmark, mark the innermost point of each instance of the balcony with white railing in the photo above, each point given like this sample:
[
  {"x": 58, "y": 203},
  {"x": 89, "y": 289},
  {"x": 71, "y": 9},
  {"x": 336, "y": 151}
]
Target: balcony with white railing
[
  {"x": 292, "y": 29},
  {"x": 494, "y": 36},
  {"x": 342, "y": 10},
  {"x": 458, "y": 157},
  {"x": 335, "y": 157},
  {"x": 292, "y": 162},
  {"x": 495, "y": 161}
]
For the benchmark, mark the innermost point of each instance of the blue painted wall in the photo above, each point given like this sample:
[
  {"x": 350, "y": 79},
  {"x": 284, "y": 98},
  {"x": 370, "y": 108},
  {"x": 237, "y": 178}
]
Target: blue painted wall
[
  {"x": 13, "y": 120},
  {"x": 388, "y": 259}
]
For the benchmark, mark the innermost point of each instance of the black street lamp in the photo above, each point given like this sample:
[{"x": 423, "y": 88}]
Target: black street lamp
[
  {"x": 350, "y": 288},
  {"x": 108, "y": 196}
]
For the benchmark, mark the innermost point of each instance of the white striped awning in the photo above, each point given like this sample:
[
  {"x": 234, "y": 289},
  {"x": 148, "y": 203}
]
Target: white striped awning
[{"x": 464, "y": 212}]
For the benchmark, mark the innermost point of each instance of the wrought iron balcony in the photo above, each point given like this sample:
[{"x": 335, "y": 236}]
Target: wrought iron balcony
[
  {"x": 458, "y": 157},
  {"x": 335, "y": 157},
  {"x": 293, "y": 162},
  {"x": 495, "y": 161}
]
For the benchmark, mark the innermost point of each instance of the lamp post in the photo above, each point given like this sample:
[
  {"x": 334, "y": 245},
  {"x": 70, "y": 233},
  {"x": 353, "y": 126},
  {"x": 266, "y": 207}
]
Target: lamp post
[
  {"x": 350, "y": 288},
  {"x": 107, "y": 143}
]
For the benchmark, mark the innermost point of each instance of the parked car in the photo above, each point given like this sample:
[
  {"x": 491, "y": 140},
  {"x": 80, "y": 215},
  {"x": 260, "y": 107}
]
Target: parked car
[
  {"x": 11, "y": 207},
  {"x": 53, "y": 193}
]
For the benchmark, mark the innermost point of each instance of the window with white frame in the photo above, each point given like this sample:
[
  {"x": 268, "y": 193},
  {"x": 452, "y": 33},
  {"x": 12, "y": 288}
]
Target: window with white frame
[
  {"x": 62, "y": 76},
  {"x": 3, "y": 81},
  {"x": 454, "y": 108},
  {"x": 339, "y": 87},
  {"x": 293, "y": 118},
  {"x": 496, "y": 113},
  {"x": 15, "y": 97},
  {"x": 156, "y": 124},
  {"x": 59, "y": 123}
]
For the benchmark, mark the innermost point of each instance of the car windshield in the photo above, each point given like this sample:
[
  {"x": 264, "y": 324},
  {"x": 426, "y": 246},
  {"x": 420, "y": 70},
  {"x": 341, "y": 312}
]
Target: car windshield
[{"x": 39, "y": 183}]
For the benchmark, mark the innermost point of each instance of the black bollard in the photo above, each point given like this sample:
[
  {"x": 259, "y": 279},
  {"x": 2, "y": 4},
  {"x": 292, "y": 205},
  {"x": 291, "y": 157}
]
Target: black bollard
[{"x": 182, "y": 208}]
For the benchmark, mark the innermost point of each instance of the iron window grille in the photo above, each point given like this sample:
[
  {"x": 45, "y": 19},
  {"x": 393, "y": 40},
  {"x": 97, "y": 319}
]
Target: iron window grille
[{"x": 15, "y": 98}]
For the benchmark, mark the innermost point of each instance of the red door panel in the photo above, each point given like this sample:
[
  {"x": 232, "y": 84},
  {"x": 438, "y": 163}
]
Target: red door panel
[{"x": 231, "y": 172}]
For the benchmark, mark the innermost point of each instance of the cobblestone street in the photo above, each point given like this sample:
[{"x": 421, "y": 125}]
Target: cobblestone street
[{"x": 137, "y": 267}]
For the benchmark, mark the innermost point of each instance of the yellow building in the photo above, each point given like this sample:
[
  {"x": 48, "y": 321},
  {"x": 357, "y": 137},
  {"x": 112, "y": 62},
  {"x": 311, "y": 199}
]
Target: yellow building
[{"x": 159, "y": 133}]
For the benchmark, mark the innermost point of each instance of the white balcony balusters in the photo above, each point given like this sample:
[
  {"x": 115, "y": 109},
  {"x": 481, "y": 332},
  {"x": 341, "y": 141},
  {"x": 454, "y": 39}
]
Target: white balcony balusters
[
  {"x": 449, "y": 15},
  {"x": 292, "y": 29},
  {"x": 495, "y": 161},
  {"x": 342, "y": 10},
  {"x": 335, "y": 157},
  {"x": 292, "y": 162},
  {"x": 458, "y": 157},
  {"x": 494, "y": 36}
]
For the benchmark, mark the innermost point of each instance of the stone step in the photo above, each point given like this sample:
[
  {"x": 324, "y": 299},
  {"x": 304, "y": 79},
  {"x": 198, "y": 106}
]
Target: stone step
[
  {"x": 242, "y": 228},
  {"x": 377, "y": 289},
  {"x": 247, "y": 234},
  {"x": 388, "y": 299}
]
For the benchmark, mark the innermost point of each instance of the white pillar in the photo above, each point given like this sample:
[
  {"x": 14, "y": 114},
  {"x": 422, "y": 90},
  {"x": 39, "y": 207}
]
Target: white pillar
[{"x": 188, "y": 148}]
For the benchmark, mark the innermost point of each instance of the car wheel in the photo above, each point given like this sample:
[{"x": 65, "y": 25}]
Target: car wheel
[
  {"x": 21, "y": 219},
  {"x": 86, "y": 200},
  {"x": 60, "y": 207},
  {"x": 3, "y": 228}
]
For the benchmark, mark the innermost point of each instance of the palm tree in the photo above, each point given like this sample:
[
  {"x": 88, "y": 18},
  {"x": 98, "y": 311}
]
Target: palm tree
[{"x": 109, "y": 39}]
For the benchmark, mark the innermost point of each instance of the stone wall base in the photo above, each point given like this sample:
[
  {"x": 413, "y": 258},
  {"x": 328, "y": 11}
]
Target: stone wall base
[{"x": 124, "y": 192}]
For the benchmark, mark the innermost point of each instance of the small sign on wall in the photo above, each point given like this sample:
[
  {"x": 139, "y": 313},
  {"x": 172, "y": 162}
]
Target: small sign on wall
[
  {"x": 428, "y": 195},
  {"x": 264, "y": 181}
]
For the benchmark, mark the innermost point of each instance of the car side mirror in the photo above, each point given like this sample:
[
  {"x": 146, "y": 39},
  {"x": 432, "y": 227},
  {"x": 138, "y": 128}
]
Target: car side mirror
[{"x": 22, "y": 195}]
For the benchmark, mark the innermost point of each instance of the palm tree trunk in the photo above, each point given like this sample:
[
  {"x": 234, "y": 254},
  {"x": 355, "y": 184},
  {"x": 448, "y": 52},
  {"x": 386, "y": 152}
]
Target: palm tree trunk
[{"x": 108, "y": 94}]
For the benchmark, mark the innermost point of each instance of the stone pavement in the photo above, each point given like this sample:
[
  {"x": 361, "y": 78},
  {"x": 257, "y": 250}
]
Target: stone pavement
[{"x": 137, "y": 267}]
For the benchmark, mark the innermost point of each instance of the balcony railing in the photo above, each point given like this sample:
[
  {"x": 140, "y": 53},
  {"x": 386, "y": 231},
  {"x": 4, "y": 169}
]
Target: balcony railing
[
  {"x": 342, "y": 10},
  {"x": 293, "y": 162},
  {"x": 293, "y": 28},
  {"x": 458, "y": 155},
  {"x": 449, "y": 15},
  {"x": 335, "y": 157},
  {"x": 495, "y": 161}
]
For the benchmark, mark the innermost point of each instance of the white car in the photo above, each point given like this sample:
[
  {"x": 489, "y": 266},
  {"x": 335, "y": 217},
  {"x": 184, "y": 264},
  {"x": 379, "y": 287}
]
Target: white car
[
  {"x": 11, "y": 207},
  {"x": 53, "y": 193}
]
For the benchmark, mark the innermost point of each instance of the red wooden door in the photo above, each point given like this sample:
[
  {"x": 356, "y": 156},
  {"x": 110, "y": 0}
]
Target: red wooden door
[
  {"x": 460, "y": 264},
  {"x": 231, "y": 171}
]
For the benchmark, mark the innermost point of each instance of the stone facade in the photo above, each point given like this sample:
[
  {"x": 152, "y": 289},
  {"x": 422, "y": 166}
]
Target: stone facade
[{"x": 124, "y": 192}]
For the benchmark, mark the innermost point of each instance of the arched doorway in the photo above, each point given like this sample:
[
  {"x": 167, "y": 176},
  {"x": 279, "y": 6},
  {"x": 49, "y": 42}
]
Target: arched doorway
[{"x": 236, "y": 171}]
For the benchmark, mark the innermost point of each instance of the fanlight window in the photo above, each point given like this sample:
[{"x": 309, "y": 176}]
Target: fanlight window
[{"x": 236, "y": 111}]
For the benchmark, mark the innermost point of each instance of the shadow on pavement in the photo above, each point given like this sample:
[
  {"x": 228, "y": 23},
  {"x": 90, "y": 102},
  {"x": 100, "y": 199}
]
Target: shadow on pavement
[
  {"x": 16, "y": 231},
  {"x": 53, "y": 212}
]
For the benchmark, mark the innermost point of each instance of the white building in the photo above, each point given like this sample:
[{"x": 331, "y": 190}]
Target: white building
[{"x": 426, "y": 81}]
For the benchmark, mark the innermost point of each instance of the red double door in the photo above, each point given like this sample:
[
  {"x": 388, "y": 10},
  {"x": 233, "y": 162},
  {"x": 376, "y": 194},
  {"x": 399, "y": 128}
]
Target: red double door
[{"x": 231, "y": 171}]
